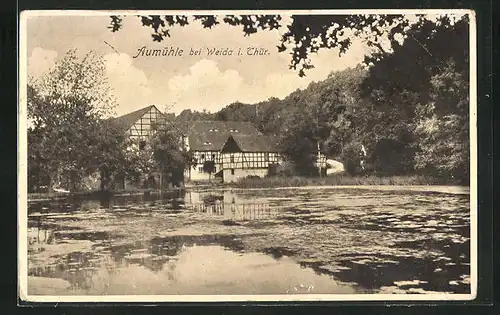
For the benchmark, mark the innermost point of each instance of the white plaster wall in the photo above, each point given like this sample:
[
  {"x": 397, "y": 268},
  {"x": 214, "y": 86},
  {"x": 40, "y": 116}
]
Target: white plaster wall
[
  {"x": 242, "y": 173},
  {"x": 194, "y": 173}
]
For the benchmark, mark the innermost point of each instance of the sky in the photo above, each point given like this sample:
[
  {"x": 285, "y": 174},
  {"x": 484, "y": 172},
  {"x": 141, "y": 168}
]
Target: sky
[{"x": 176, "y": 83}]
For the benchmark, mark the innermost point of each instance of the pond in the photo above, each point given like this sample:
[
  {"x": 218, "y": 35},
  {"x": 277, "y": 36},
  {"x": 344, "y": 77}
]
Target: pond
[{"x": 274, "y": 241}]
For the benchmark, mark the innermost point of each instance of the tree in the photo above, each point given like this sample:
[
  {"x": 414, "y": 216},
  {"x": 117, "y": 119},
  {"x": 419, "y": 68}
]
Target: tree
[
  {"x": 297, "y": 142},
  {"x": 324, "y": 113},
  {"x": 209, "y": 167},
  {"x": 38, "y": 170},
  {"x": 114, "y": 154},
  {"x": 169, "y": 157},
  {"x": 407, "y": 96},
  {"x": 269, "y": 115},
  {"x": 193, "y": 115},
  {"x": 237, "y": 111},
  {"x": 430, "y": 45},
  {"x": 442, "y": 129},
  {"x": 64, "y": 107},
  {"x": 351, "y": 157}
]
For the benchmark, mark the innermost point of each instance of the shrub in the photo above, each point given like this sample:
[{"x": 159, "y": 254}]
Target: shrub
[{"x": 351, "y": 157}]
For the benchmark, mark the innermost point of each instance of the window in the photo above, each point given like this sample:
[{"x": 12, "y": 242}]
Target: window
[
  {"x": 234, "y": 130},
  {"x": 232, "y": 171},
  {"x": 207, "y": 143},
  {"x": 213, "y": 130},
  {"x": 200, "y": 169},
  {"x": 266, "y": 156},
  {"x": 232, "y": 158},
  {"x": 203, "y": 156},
  {"x": 213, "y": 157}
]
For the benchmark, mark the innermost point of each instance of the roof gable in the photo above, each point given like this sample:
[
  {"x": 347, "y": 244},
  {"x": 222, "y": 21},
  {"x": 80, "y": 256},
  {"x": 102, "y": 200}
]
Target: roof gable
[
  {"x": 250, "y": 143},
  {"x": 231, "y": 146},
  {"x": 125, "y": 122}
]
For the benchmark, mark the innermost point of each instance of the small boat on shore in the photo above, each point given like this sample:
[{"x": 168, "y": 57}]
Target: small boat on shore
[{"x": 61, "y": 190}]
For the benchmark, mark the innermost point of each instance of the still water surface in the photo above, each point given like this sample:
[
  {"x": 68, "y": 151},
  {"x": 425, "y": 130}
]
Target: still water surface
[{"x": 281, "y": 241}]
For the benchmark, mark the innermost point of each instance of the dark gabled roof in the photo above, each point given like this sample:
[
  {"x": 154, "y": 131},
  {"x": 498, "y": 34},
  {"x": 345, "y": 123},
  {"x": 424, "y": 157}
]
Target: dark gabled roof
[
  {"x": 128, "y": 120},
  {"x": 212, "y": 135},
  {"x": 254, "y": 143},
  {"x": 206, "y": 142},
  {"x": 241, "y": 127}
]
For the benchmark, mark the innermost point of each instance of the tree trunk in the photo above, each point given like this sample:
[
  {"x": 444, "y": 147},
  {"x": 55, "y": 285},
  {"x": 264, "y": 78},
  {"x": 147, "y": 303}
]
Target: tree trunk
[
  {"x": 51, "y": 183},
  {"x": 104, "y": 181},
  {"x": 161, "y": 180},
  {"x": 74, "y": 181}
]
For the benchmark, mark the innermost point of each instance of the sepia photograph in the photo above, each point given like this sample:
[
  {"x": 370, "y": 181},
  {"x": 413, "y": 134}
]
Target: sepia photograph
[{"x": 180, "y": 156}]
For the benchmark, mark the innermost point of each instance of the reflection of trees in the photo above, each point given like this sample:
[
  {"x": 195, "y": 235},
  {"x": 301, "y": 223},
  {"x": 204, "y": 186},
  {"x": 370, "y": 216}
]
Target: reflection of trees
[
  {"x": 177, "y": 203},
  {"x": 55, "y": 206},
  {"x": 160, "y": 250},
  {"x": 78, "y": 268},
  {"x": 105, "y": 200},
  {"x": 384, "y": 270},
  {"x": 37, "y": 235},
  {"x": 210, "y": 200},
  {"x": 173, "y": 245}
]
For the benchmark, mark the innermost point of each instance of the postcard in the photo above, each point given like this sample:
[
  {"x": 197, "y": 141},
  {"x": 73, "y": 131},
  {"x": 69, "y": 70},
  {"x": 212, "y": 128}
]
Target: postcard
[{"x": 194, "y": 156}]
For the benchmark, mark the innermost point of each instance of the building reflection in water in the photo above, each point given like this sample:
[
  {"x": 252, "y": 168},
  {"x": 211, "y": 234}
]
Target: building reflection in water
[
  {"x": 37, "y": 235},
  {"x": 229, "y": 205},
  {"x": 81, "y": 257}
]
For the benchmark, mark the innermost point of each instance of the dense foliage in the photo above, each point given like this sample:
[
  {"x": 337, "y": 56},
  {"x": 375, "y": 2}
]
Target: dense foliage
[
  {"x": 68, "y": 139},
  {"x": 209, "y": 167},
  {"x": 64, "y": 109},
  {"x": 170, "y": 160},
  {"x": 408, "y": 109}
]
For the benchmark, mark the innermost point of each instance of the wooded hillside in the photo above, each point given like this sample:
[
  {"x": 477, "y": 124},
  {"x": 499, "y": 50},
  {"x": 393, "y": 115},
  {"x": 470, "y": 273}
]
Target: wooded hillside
[{"x": 408, "y": 108}]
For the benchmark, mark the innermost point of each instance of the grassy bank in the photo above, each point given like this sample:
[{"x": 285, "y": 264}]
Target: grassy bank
[{"x": 339, "y": 180}]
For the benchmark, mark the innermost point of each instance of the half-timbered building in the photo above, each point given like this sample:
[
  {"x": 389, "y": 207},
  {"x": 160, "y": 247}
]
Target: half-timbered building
[
  {"x": 140, "y": 126},
  {"x": 143, "y": 123},
  {"x": 228, "y": 205},
  {"x": 205, "y": 140},
  {"x": 248, "y": 155}
]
